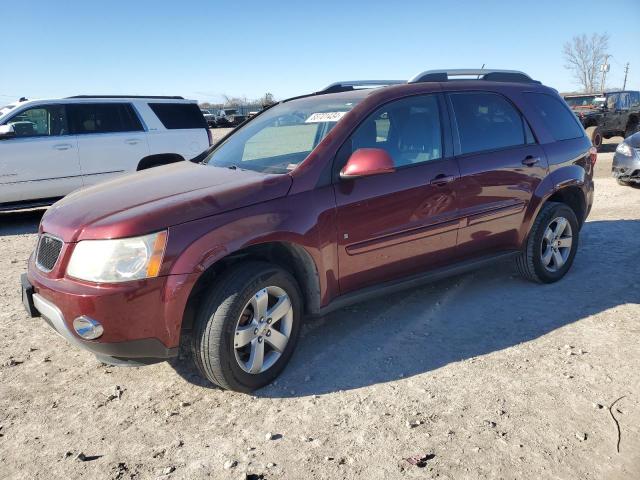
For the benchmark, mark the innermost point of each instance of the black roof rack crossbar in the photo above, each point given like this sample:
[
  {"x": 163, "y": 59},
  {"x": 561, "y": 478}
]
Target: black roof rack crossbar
[
  {"x": 154, "y": 97},
  {"x": 352, "y": 84},
  {"x": 490, "y": 75}
]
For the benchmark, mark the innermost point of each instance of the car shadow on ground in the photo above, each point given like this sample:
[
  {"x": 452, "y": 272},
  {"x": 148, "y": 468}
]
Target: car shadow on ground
[
  {"x": 421, "y": 330},
  {"x": 20, "y": 222}
]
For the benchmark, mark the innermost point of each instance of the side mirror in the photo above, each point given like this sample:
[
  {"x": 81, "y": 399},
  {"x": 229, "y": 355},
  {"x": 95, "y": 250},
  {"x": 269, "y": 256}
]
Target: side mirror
[
  {"x": 7, "y": 131},
  {"x": 367, "y": 161}
]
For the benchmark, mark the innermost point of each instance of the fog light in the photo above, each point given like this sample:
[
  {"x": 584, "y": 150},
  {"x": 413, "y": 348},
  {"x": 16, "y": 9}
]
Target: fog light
[{"x": 87, "y": 328}]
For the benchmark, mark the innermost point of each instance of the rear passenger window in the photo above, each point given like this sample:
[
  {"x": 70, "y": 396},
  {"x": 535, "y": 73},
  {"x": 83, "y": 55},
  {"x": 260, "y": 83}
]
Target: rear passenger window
[
  {"x": 559, "y": 120},
  {"x": 179, "y": 115},
  {"x": 487, "y": 121},
  {"x": 103, "y": 118}
]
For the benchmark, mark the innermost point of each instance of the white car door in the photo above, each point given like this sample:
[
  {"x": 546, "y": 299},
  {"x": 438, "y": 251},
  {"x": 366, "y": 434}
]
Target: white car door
[
  {"x": 111, "y": 139},
  {"x": 41, "y": 160}
]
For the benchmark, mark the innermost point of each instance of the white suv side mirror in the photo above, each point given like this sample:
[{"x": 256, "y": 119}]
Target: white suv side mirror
[{"x": 7, "y": 131}]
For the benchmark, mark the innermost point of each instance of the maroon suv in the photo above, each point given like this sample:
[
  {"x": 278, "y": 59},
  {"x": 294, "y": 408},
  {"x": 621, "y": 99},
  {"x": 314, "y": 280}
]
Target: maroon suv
[{"x": 315, "y": 203}]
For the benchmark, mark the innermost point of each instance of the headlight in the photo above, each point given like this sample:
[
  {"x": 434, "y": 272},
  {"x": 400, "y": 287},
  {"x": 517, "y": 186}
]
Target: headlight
[
  {"x": 118, "y": 260},
  {"x": 624, "y": 149}
]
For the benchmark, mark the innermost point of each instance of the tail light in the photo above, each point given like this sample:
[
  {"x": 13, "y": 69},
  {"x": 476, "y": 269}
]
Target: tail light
[
  {"x": 209, "y": 136},
  {"x": 593, "y": 155}
]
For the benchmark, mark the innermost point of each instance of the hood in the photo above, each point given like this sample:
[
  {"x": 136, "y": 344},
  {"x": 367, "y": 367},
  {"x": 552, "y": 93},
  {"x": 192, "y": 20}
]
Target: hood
[
  {"x": 633, "y": 140},
  {"x": 158, "y": 198}
]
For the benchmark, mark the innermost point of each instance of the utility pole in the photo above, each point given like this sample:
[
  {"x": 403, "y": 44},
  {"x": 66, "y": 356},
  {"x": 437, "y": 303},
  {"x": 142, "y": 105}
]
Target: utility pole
[
  {"x": 626, "y": 70},
  {"x": 604, "y": 68}
]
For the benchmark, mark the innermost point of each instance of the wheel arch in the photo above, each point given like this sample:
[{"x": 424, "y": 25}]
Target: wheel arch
[
  {"x": 574, "y": 198},
  {"x": 566, "y": 185},
  {"x": 291, "y": 257}
]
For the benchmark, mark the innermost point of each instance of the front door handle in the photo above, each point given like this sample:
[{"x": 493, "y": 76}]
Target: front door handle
[
  {"x": 530, "y": 160},
  {"x": 441, "y": 180},
  {"x": 63, "y": 146}
]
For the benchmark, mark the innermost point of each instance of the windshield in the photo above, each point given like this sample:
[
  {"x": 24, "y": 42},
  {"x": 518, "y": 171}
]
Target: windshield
[
  {"x": 6, "y": 109},
  {"x": 587, "y": 101},
  {"x": 279, "y": 139}
]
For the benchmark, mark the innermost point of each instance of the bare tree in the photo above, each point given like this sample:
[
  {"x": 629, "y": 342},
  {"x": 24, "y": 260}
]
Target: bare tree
[
  {"x": 267, "y": 99},
  {"x": 583, "y": 56}
]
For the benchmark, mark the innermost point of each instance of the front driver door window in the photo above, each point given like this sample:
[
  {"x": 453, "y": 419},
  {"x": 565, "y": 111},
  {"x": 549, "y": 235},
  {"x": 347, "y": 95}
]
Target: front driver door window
[
  {"x": 397, "y": 224},
  {"x": 41, "y": 160},
  {"x": 45, "y": 121}
]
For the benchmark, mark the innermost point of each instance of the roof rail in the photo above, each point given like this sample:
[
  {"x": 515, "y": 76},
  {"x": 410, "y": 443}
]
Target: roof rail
[
  {"x": 155, "y": 97},
  {"x": 349, "y": 85},
  {"x": 483, "y": 74}
]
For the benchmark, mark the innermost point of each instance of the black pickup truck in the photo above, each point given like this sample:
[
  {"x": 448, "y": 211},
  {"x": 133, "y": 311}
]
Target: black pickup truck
[{"x": 607, "y": 115}]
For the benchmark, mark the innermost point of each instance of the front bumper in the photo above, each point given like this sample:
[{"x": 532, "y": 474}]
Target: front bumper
[
  {"x": 141, "y": 320},
  {"x": 626, "y": 168}
]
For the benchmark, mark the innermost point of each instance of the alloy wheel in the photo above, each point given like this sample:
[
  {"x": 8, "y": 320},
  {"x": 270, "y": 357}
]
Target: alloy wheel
[
  {"x": 556, "y": 244},
  {"x": 263, "y": 330}
]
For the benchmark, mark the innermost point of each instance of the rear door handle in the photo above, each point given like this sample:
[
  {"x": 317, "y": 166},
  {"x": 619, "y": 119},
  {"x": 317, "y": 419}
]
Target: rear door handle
[
  {"x": 442, "y": 179},
  {"x": 530, "y": 160},
  {"x": 63, "y": 146},
  {"x": 132, "y": 141}
]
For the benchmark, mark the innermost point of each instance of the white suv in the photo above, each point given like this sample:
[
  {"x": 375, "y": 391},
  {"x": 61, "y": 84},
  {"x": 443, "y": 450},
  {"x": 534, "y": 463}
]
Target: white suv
[{"x": 49, "y": 148}]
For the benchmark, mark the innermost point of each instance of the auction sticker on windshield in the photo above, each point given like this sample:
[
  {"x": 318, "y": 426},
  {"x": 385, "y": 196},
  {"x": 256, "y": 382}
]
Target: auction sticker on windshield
[{"x": 322, "y": 117}]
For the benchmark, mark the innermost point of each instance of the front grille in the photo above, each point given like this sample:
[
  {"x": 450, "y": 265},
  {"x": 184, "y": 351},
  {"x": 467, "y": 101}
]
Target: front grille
[{"x": 48, "y": 252}]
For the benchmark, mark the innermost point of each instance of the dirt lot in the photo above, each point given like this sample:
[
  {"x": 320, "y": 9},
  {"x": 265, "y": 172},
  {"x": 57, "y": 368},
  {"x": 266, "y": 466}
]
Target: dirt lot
[{"x": 481, "y": 376}]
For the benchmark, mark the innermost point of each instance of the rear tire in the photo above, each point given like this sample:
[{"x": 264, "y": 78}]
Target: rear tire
[
  {"x": 595, "y": 135},
  {"x": 551, "y": 246},
  {"x": 230, "y": 315}
]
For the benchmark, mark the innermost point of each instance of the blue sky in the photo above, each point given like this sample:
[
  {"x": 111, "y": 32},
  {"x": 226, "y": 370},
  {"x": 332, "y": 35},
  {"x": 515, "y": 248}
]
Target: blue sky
[{"x": 203, "y": 49}]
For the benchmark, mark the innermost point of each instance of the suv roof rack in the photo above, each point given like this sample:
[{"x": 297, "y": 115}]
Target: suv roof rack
[
  {"x": 155, "y": 97},
  {"x": 351, "y": 84},
  {"x": 480, "y": 74}
]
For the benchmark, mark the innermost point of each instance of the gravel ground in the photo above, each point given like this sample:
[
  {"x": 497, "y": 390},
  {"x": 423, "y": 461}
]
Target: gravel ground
[{"x": 479, "y": 376}]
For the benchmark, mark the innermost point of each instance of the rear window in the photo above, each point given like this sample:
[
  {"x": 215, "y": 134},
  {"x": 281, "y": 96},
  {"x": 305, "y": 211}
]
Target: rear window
[
  {"x": 559, "y": 120},
  {"x": 487, "y": 121},
  {"x": 103, "y": 118},
  {"x": 179, "y": 115}
]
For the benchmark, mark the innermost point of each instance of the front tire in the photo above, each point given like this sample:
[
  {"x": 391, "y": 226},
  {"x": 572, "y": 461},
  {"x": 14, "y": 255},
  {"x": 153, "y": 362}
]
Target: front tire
[
  {"x": 551, "y": 246},
  {"x": 248, "y": 326}
]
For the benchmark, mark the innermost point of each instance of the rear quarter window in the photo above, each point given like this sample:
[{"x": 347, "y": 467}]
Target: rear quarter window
[
  {"x": 179, "y": 115},
  {"x": 559, "y": 120}
]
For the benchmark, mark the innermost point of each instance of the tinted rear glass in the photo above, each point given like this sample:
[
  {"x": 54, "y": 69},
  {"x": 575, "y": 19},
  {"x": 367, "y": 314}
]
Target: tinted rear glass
[
  {"x": 179, "y": 115},
  {"x": 103, "y": 118},
  {"x": 559, "y": 120},
  {"x": 486, "y": 121}
]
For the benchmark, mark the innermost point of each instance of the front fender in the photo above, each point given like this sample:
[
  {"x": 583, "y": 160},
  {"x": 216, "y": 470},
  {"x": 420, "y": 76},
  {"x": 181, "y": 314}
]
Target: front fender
[{"x": 306, "y": 220}]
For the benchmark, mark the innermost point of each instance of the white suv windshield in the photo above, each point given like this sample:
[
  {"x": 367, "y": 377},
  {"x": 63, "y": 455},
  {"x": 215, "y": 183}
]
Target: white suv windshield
[
  {"x": 279, "y": 139},
  {"x": 6, "y": 109}
]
